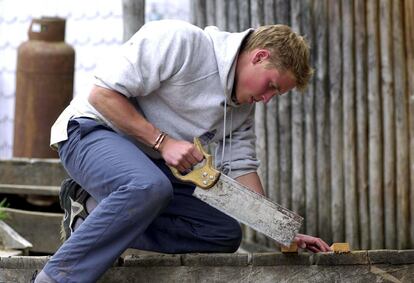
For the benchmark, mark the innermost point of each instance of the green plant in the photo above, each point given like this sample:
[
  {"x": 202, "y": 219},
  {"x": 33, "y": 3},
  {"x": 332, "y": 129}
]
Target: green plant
[{"x": 3, "y": 204}]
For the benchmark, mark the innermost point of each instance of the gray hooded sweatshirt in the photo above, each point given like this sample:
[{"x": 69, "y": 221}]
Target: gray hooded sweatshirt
[{"x": 180, "y": 78}]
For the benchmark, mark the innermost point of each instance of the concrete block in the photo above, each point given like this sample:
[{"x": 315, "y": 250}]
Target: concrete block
[
  {"x": 9, "y": 253},
  {"x": 215, "y": 259},
  {"x": 152, "y": 260},
  {"x": 41, "y": 229},
  {"x": 391, "y": 256},
  {"x": 277, "y": 258},
  {"x": 23, "y": 262},
  {"x": 331, "y": 258}
]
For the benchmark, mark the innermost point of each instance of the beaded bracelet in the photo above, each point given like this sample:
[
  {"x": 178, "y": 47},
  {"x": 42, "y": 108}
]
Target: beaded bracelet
[{"x": 159, "y": 141}]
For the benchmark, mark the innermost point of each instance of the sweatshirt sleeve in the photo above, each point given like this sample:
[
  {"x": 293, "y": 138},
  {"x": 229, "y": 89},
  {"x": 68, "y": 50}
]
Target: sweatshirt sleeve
[
  {"x": 157, "y": 52},
  {"x": 241, "y": 156}
]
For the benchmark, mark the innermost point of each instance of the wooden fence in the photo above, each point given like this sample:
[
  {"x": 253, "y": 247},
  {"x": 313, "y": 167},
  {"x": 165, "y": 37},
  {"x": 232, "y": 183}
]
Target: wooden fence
[{"x": 342, "y": 153}]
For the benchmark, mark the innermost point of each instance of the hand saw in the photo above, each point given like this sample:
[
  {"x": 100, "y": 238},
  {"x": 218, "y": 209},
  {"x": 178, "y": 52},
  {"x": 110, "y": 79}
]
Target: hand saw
[{"x": 241, "y": 203}]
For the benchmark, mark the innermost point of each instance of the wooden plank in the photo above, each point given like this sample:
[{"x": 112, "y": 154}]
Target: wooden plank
[
  {"x": 272, "y": 126},
  {"x": 298, "y": 170},
  {"x": 221, "y": 14},
  {"x": 282, "y": 11},
  {"x": 362, "y": 120},
  {"x": 133, "y": 17},
  {"x": 409, "y": 44},
  {"x": 388, "y": 123},
  {"x": 322, "y": 121},
  {"x": 210, "y": 12},
  {"x": 376, "y": 199},
  {"x": 401, "y": 127},
  {"x": 31, "y": 171},
  {"x": 269, "y": 12},
  {"x": 282, "y": 15},
  {"x": 244, "y": 14},
  {"x": 273, "y": 191},
  {"x": 340, "y": 248},
  {"x": 232, "y": 14},
  {"x": 336, "y": 125},
  {"x": 29, "y": 190},
  {"x": 257, "y": 19},
  {"x": 41, "y": 229},
  {"x": 200, "y": 13},
  {"x": 311, "y": 216},
  {"x": 348, "y": 86}
]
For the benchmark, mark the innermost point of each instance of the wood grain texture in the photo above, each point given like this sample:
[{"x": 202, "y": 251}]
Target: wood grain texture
[
  {"x": 376, "y": 198},
  {"x": 322, "y": 120},
  {"x": 362, "y": 120},
  {"x": 387, "y": 95},
  {"x": 409, "y": 45},
  {"x": 401, "y": 128},
  {"x": 336, "y": 123},
  {"x": 298, "y": 170},
  {"x": 349, "y": 134},
  {"x": 310, "y": 133}
]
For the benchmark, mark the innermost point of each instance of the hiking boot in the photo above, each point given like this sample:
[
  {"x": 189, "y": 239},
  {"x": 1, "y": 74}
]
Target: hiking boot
[{"x": 72, "y": 200}]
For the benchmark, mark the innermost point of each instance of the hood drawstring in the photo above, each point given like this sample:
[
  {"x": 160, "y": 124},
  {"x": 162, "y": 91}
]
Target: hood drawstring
[{"x": 224, "y": 135}]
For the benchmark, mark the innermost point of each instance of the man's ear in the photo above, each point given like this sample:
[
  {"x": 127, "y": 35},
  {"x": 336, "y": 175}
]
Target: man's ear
[{"x": 259, "y": 55}]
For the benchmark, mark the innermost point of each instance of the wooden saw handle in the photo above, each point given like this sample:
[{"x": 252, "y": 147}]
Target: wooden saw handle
[{"x": 204, "y": 176}]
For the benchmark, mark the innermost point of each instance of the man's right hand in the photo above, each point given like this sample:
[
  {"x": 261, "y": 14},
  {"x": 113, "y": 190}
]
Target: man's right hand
[{"x": 180, "y": 154}]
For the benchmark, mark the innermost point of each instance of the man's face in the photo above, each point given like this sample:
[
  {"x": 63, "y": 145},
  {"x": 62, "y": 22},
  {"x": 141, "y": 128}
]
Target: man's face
[{"x": 255, "y": 82}]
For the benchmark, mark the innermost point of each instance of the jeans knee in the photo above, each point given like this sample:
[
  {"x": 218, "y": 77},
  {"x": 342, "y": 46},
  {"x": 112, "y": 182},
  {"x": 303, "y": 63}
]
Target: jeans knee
[{"x": 157, "y": 189}]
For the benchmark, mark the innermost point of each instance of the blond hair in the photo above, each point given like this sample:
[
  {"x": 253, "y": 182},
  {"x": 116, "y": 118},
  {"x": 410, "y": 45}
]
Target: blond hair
[{"x": 289, "y": 51}]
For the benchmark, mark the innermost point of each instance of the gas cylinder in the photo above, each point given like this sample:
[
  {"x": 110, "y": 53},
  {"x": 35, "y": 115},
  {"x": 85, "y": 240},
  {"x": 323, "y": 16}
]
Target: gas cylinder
[{"x": 44, "y": 86}]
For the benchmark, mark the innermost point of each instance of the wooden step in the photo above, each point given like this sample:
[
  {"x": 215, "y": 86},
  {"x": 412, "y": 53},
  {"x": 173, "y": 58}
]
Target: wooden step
[
  {"x": 32, "y": 171},
  {"x": 41, "y": 229},
  {"x": 29, "y": 190}
]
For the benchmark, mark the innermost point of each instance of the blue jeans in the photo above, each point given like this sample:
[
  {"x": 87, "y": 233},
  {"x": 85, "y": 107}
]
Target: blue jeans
[{"x": 140, "y": 205}]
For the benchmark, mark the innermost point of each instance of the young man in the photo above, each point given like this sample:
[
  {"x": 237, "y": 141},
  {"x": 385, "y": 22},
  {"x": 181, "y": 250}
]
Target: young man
[{"x": 169, "y": 83}]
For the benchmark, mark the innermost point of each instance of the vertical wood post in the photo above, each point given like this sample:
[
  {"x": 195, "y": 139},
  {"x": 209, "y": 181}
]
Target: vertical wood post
[
  {"x": 232, "y": 14},
  {"x": 200, "y": 13},
  {"x": 311, "y": 218},
  {"x": 322, "y": 121},
  {"x": 336, "y": 128},
  {"x": 285, "y": 140},
  {"x": 386, "y": 39},
  {"x": 401, "y": 126},
  {"x": 257, "y": 19},
  {"x": 244, "y": 14},
  {"x": 210, "y": 12},
  {"x": 298, "y": 170},
  {"x": 221, "y": 14},
  {"x": 133, "y": 13},
  {"x": 272, "y": 126},
  {"x": 409, "y": 45},
  {"x": 362, "y": 120},
  {"x": 376, "y": 199},
  {"x": 348, "y": 86}
]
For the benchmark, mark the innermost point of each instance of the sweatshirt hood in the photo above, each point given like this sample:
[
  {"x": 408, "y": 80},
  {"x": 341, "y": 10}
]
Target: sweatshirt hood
[{"x": 226, "y": 49}]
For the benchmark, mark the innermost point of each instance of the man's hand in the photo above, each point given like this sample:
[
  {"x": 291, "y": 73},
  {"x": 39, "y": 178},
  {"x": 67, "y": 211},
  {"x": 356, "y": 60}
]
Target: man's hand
[
  {"x": 182, "y": 155},
  {"x": 311, "y": 243}
]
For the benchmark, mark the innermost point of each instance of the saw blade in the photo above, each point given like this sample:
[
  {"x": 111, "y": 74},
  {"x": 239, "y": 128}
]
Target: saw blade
[{"x": 252, "y": 209}]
